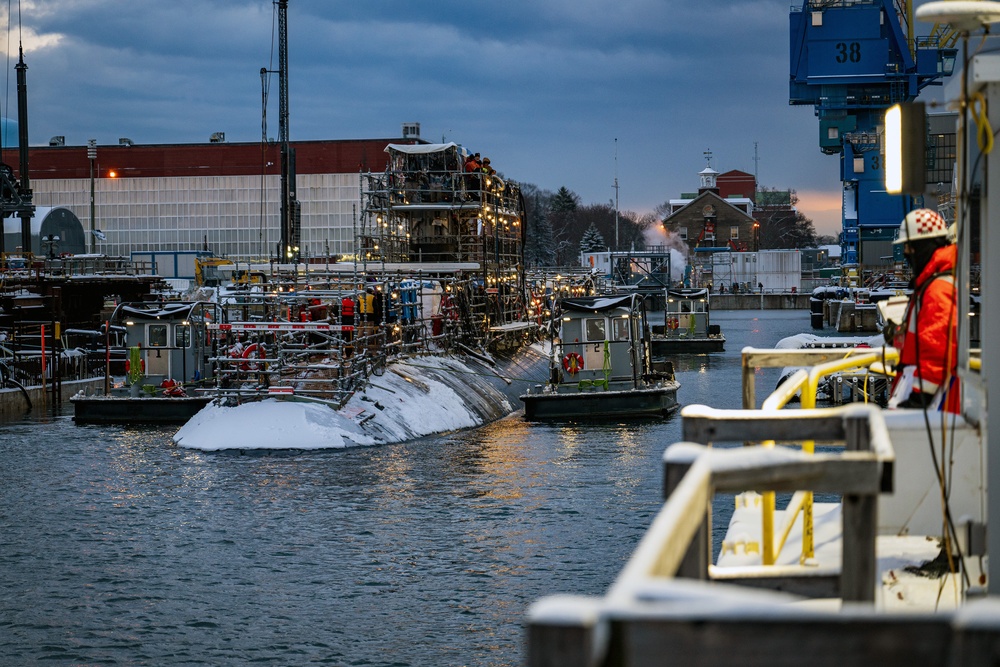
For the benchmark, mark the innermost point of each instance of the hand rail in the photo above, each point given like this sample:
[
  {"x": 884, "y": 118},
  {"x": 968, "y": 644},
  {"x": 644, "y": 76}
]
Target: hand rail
[
  {"x": 695, "y": 473},
  {"x": 806, "y": 382}
]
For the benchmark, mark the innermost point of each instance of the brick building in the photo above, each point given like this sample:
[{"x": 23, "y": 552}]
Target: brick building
[{"x": 719, "y": 215}]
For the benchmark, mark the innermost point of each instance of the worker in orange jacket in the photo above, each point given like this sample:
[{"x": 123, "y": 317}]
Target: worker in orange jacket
[{"x": 927, "y": 339}]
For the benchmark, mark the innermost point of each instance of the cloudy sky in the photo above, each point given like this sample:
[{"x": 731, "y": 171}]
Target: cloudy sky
[{"x": 556, "y": 92}]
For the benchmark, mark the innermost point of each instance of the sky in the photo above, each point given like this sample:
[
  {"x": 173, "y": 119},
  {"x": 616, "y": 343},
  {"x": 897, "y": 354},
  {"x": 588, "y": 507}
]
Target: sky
[{"x": 576, "y": 93}]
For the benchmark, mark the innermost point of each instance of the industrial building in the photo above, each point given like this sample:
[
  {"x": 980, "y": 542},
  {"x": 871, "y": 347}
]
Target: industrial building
[{"x": 219, "y": 197}]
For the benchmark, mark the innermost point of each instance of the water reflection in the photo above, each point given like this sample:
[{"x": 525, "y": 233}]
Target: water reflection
[{"x": 425, "y": 553}]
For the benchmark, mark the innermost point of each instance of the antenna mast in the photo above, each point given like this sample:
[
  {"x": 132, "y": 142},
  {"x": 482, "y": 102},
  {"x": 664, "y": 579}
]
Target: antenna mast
[
  {"x": 616, "y": 193},
  {"x": 756, "y": 166}
]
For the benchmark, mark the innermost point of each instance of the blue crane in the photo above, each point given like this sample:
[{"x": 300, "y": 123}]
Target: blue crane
[{"x": 851, "y": 60}]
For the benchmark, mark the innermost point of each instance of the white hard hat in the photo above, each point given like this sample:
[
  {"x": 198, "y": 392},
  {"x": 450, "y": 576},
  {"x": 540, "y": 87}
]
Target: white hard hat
[{"x": 920, "y": 224}]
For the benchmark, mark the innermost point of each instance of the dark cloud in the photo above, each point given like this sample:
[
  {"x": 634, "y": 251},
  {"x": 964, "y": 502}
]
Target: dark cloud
[{"x": 544, "y": 87}]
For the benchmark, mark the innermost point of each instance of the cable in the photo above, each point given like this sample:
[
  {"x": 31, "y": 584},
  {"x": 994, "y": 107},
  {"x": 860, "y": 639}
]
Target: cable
[{"x": 984, "y": 131}]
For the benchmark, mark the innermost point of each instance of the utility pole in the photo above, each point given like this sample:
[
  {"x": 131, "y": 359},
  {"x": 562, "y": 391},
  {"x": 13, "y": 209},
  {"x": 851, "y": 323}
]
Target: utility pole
[
  {"x": 756, "y": 166},
  {"x": 22, "y": 136},
  {"x": 616, "y": 193}
]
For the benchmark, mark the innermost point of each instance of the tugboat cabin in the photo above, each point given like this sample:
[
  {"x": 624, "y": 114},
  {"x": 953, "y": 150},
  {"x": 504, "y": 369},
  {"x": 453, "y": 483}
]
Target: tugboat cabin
[
  {"x": 168, "y": 338},
  {"x": 602, "y": 341},
  {"x": 686, "y": 326}
]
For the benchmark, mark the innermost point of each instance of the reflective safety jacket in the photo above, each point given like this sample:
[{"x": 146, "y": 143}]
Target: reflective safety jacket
[{"x": 929, "y": 341}]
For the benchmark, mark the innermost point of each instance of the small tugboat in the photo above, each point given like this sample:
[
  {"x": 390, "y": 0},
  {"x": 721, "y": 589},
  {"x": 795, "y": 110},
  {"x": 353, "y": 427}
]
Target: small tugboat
[
  {"x": 600, "y": 365},
  {"x": 165, "y": 340},
  {"x": 686, "y": 327}
]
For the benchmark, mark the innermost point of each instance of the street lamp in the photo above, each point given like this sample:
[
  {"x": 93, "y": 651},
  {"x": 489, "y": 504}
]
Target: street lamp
[
  {"x": 756, "y": 236},
  {"x": 92, "y": 156}
]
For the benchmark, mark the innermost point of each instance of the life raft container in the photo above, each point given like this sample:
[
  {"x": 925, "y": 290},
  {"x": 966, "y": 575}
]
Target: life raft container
[{"x": 572, "y": 363}]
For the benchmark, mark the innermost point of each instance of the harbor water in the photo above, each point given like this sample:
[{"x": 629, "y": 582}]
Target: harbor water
[{"x": 119, "y": 548}]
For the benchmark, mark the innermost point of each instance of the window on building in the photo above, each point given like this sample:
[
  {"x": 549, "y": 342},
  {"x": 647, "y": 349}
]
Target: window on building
[
  {"x": 940, "y": 158},
  {"x": 734, "y": 233},
  {"x": 683, "y": 233}
]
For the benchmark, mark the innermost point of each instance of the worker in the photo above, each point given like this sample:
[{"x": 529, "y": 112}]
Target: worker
[
  {"x": 473, "y": 167},
  {"x": 347, "y": 324},
  {"x": 927, "y": 337}
]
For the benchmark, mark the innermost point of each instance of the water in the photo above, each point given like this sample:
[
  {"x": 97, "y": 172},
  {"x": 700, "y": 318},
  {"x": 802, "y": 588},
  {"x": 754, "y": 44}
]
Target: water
[{"x": 118, "y": 548}]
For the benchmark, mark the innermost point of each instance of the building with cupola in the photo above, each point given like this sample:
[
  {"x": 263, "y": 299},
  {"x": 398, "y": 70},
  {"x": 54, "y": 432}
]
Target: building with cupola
[{"x": 717, "y": 217}]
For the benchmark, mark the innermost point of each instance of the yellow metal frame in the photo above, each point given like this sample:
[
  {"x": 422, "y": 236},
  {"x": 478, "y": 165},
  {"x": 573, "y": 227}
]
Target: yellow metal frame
[{"x": 806, "y": 383}]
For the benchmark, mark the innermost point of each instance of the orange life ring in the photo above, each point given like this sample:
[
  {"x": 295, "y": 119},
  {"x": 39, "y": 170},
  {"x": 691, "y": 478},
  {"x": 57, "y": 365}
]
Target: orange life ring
[
  {"x": 572, "y": 363},
  {"x": 250, "y": 353},
  {"x": 673, "y": 323}
]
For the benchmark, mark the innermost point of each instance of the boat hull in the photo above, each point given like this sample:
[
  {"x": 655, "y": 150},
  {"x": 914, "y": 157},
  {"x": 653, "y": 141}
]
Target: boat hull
[
  {"x": 662, "y": 346},
  {"x": 133, "y": 410},
  {"x": 658, "y": 401}
]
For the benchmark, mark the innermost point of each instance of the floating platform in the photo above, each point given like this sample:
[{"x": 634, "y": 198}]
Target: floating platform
[
  {"x": 136, "y": 410},
  {"x": 662, "y": 346}
]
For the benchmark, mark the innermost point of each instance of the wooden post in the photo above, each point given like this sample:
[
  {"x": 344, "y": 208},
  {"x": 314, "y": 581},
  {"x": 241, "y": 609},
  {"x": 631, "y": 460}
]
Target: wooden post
[
  {"x": 696, "y": 559},
  {"x": 860, "y": 521}
]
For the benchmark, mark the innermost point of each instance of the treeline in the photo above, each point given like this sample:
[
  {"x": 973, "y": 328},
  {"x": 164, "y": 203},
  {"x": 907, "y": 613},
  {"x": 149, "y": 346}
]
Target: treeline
[{"x": 559, "y": 227}]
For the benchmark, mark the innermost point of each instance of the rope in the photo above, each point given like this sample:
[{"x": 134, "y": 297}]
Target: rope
[{"x": 984, "y": 132}]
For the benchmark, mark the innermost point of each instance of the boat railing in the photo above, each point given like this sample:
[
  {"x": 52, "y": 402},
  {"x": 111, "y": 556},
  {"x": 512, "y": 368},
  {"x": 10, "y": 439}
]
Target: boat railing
[
  {"x": 805, "y": 383},
  {"x": 757, "y": 358},
  {"x": 640, "y": 611},
  {"x": 306, "y": 345}
]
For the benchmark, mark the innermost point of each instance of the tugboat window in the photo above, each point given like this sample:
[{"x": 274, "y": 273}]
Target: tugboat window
[
  {"x": 156, "y": 335},
  {"x": 182, "y": 335},
  {"x": 621, "y": 329},
  {"x": 595, "y": 329}
]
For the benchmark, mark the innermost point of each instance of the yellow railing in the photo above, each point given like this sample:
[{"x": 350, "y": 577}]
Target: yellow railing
[{"x": 806, "y": 383}]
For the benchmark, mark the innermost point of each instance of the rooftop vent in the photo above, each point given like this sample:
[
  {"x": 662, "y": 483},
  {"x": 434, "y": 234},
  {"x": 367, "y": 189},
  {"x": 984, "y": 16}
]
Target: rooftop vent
[
  {"x": 217, "y": 138},
  {"x": 58, "y": 140},
  {"x": 125, "y": 141},
  {"x": 411, "y": 130}
]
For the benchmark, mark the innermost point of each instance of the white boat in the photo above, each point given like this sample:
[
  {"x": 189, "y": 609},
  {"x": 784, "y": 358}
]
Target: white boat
[{"x": 895, "y": 569}]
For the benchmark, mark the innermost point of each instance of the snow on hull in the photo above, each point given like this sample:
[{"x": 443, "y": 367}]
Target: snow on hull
[{"x": 414, "y": 398}]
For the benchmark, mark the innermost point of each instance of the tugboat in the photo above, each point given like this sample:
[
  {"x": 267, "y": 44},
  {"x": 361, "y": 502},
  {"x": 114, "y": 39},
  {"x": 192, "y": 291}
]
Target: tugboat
[
  {"x": 165, "y": 340},
  {"x": 686, "y": 327},
  {"x": 601, "y": 366}
]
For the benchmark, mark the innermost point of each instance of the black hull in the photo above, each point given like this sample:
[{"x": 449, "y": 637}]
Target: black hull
[
  {"x": 628, "y": 404},
  {"x": 661, "y": 347},
  {"x": 132, "y": 410}
]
